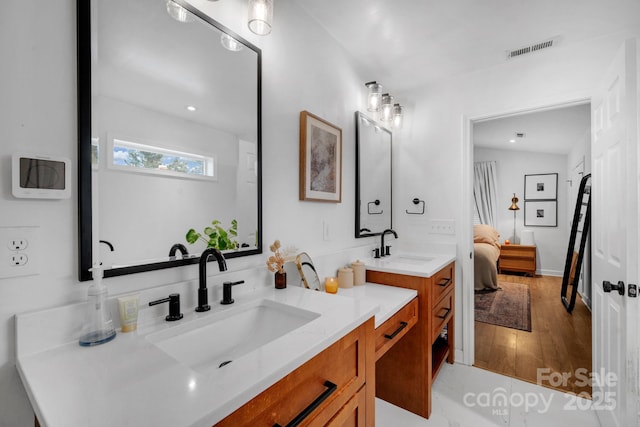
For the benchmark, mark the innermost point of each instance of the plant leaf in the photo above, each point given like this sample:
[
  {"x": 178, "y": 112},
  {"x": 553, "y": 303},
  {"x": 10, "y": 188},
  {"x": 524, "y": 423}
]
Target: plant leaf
[{"x": 192, "y": 236}]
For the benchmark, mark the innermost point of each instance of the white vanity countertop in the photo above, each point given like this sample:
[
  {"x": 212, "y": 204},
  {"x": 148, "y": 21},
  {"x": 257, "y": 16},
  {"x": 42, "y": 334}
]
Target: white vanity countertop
[
  {"x": 131, "y": 382},
  {"x": 410, "y": 264},
  {"x": 390, "y": 299}
]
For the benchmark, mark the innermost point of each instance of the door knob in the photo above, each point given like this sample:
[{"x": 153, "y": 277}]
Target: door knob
[{"x": 608, "y": 287}]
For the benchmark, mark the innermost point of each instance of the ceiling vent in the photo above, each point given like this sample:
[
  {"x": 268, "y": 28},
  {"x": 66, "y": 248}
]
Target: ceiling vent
[
  {"x": 533, "y": 48},
  {"x": 520, "y": 134}
]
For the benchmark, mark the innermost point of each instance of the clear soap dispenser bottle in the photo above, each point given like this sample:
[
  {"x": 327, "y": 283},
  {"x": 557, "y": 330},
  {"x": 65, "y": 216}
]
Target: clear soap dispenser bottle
[{"x": 98, "y": 326}]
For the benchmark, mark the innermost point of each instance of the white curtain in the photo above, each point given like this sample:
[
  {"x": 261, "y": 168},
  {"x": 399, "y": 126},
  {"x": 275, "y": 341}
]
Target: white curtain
[{"x": 485, "y": 192}]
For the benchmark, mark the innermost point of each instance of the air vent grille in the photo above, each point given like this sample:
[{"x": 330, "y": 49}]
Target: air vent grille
[{"x": 533, "y": 48}]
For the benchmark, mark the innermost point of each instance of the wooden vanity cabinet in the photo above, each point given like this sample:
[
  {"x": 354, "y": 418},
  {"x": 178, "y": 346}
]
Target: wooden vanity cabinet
[
  {"x": 343, "y": 374},
  {"x": 394, "y": 328},
  {"x": 405, "y": 373}
]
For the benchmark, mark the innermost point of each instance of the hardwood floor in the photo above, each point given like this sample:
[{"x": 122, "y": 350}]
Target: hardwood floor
[{"x": 558, "y": 341}]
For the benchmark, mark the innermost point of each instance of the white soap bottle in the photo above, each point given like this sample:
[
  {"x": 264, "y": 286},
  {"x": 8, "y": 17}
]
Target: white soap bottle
[{"x": 98, "y": 327}]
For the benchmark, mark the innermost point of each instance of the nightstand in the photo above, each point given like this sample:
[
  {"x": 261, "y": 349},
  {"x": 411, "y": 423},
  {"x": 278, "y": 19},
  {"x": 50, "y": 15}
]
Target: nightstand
[{"x": 519, "y": 258}]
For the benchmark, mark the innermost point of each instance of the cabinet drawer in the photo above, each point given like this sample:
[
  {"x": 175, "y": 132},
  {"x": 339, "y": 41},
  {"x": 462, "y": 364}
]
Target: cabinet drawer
[
  {"x": 336, "y": 375},
  {"x": 442, "y": 282},
  {"x": 352, "y": 414},
  {"x": 441, "y": 313},
  {"x": 396, "y": 327}
]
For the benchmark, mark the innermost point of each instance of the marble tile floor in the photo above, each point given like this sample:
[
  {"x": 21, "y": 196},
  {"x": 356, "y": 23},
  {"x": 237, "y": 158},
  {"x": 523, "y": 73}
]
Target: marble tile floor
[{"x": 464, "y": 396}]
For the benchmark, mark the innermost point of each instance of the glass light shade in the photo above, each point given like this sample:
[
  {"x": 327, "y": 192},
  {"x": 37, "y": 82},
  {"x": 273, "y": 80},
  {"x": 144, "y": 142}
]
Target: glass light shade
[
  {"x": 178, "y": 12},
  {"x": 397, "y": 116},
  {"x": 387, "y": 108},
  {"x": 230, "y": 43},
  {"x": 374, "y": 99},
  {"x": 260, "y": 16}
]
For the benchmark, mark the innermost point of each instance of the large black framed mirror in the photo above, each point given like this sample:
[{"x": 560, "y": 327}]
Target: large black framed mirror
[
  {"x": 373, "y": 177},
  {"x": 169, "y": 136}
]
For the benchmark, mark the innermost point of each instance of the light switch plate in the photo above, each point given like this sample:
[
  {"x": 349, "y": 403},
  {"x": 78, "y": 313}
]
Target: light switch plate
[
  {"x": 442, "y": 226},
  {"x": 19, "y": 251}
]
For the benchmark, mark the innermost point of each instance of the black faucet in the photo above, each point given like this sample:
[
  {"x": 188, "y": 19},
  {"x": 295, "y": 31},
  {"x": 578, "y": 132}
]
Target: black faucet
[
  {"x": 384, "y": 250},
  {"x": 203, "y": 295},
  {"x": 178, "y": 247},
  {"x": 226, "y": 291},
  {"x": 174, "y": 307}
]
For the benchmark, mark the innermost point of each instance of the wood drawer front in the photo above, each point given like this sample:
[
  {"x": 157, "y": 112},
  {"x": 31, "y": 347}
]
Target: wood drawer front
[
  {"x": 527, "y": 251},
  {"x": 352, "y": 414},
  {"x": 441, "y": 313},
  {"x": 396, "y": 327},
  {"x": 441, "y": 283},
  {"x": 516, "y": 264},
  {"x": 343, "y": 364}
]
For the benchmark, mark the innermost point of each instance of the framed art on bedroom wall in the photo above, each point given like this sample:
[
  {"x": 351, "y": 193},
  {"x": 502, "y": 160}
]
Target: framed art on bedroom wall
[
  {"x": 542, "y": 213},
  {"x": 541, "y": 186}
]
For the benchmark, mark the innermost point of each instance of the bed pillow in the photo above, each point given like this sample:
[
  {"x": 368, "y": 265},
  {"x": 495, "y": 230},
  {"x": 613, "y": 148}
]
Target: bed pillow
[{"x": 483, "y": 233}]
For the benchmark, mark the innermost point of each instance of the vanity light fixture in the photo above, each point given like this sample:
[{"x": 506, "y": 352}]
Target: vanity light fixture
[
  {"x": 178, "y": 12},
  {"x": 230, "y": 43},
  {"x": 397, "y": 116},
  {"x": 387, "y": 108},
  {"x": 260, "y": 16},
  {"x": 374, "y": 99}
]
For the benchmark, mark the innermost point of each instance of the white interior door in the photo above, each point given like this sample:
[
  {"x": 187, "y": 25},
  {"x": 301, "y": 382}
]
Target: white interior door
[{"x": 615, "y": 240}]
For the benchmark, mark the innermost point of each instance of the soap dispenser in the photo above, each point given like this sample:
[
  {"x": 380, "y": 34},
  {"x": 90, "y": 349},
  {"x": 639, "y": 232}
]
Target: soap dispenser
[{"x": 98, "y": 327}]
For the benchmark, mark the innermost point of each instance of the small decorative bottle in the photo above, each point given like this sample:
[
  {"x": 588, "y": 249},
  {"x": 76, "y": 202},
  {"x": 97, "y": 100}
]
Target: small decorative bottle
[{"x": 280, "y": 279}]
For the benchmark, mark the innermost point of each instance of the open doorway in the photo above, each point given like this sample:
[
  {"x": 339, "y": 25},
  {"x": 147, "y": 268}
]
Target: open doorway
[{"x": 521, "y": 327}]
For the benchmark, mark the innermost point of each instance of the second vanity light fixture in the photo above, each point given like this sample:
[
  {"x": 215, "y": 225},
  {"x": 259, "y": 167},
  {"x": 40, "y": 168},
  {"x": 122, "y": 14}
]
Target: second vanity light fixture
[
  {"x": 260, "y": 16},
  {"x": 378, "y": 102}
]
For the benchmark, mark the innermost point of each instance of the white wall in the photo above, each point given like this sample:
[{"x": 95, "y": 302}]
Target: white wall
[
  {"x": 511, "y": 167},
  {"x": 303, "y": 69}
]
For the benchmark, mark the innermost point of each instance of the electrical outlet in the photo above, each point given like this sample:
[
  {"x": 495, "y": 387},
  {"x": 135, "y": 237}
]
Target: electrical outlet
[
  {"x": 19, "y": 259},
  {"x": 18, "y": 251},
  {"x": 17, "y": 244}
]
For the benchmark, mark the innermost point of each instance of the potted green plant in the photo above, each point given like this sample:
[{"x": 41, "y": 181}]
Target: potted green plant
[{"x": 216, "y": 236}]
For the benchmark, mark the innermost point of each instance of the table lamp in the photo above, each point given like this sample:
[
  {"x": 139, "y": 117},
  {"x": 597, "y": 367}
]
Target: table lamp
[{"x": 514, "y": 207}]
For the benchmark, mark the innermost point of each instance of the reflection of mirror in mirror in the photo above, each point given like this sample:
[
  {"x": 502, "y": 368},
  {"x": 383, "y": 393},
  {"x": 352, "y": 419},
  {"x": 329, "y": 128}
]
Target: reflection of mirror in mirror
[
  {"x": 308, "y": 272},
  {"x": 373, "y": 180},
  {"x": 174, "y": 133}
]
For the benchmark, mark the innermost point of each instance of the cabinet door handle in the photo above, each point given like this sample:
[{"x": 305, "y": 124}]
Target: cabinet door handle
[
  {"x": 331, "y": 388},
  {"x": 397, "y": 331},
  {"x": 444, "y": 282},
  {"x": 448, "y": 310}
]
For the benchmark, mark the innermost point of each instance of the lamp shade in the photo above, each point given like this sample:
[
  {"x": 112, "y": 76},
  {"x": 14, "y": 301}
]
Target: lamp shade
[
  {"x": 374, "y": 98},
  {"x": 260, "y": 16},
  {"x": 514, "y": 203},
  {"x": 387, "y": 108}
]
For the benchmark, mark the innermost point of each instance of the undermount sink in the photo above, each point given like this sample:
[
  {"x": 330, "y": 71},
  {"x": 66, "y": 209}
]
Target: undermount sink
[
  {"x": 413, "y": 259},
  {"x": 407, "y": 259},
  {"x": 213, "y": 342}
]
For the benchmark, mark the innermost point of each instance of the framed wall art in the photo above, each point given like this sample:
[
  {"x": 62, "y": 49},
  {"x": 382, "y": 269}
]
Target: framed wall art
[
  {"x": 541, "y": 186},
  {"x": 542, "y": 213},
  {"x": 320, "y": 159}
]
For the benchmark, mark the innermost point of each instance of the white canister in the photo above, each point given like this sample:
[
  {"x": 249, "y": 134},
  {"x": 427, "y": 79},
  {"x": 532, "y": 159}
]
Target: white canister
[
  {"x": 345, "y": 277},
  {"x": 359, "y": 273}
]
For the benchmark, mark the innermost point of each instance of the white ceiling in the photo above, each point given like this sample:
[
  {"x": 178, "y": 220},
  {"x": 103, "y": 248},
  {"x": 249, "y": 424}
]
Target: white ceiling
[
  {"x": 410, "y": 43},
  {"x": 550, "y": 131}
]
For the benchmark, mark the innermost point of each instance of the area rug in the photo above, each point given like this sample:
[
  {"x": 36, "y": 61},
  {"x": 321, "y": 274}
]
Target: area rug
[{"x": 509, "y": 306}]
